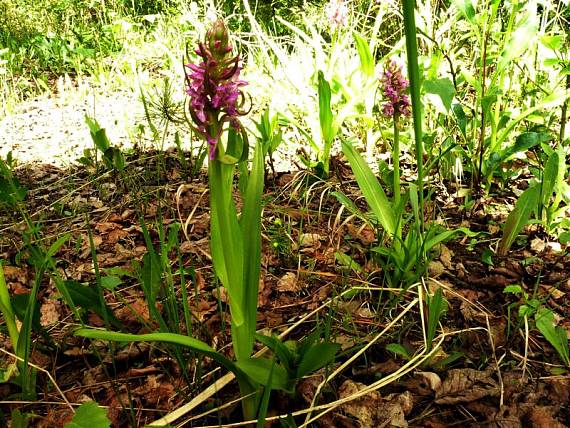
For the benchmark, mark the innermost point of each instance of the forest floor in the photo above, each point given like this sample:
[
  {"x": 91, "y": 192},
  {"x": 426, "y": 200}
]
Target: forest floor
[{"x": 491, "y": 369}]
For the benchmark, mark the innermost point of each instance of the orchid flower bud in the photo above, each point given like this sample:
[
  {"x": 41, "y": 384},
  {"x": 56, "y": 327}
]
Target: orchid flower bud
[{"x": 217, "y": 40}]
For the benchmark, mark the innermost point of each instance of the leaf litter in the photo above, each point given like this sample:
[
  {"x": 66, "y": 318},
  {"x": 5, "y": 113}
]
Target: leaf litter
[{"x": 146, "y": 376}]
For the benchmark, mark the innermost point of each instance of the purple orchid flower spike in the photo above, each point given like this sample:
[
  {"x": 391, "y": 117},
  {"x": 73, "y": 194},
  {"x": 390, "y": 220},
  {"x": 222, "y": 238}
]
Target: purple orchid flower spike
[
  {"x": 337, "y": 13},
  {"x": 394, "y": 86},
  {"x": 214, "y": 86}
]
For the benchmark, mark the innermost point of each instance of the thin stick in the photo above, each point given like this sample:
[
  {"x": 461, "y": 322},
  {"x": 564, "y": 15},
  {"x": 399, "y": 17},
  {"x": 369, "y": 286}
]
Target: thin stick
[
  {"x": 223, "y": 381},
  {"x": 358, "y": 354},
  {"x": 492, "y": 342},
  {"x": 47, "y": 374}
]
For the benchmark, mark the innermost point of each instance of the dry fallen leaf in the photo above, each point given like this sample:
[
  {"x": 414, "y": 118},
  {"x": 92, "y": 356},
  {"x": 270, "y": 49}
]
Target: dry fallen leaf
[
  {"x": 374, "y": 411},
  {"x": 466, "y": 385},
  {"x": 49, "y": 313},
  {"x": 435, "y": 268},
  {"x": 429, "y": 379},
  {"x": 445, "y": 256},
  {"x": 365, "y": 234},
  {"x": 310, "y": 239},
  {"x": 537, "y": 245},
  {"x": 288, "y": 282}
]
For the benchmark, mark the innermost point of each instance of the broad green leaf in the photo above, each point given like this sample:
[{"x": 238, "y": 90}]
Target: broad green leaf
[
  {"x": 466, "y": 8},
  {"x": 98, "y": 134},
  {"x": 20, "y": 419},
  {"x": 560, "y": 185},
  {"x": 54, "y": 248},
  {"x": 444, "y": 89},
  {"x": 111, "y": 282},
  {"x": 226, "y": 243},
  {"x": 118, "y": 159},
  {"x": 351, "y": 206},
  {"x": 348, "y": 262},
  {"x": 258, "y": 370},
  {"x": 151, "y": 276},
  {"x": 443, "y": 236},
  {"x": 518, "y": 218},
  {"x": 524, "y": 141},
  {"x": 436, "y": 306},
  {"x": 366, "y": 58},
  {"x": 89, "y": 415},
  {"x": 521, "y": 38},
  {"x": 557, "y": 337},
  {"x": 552, "y": 100},
  {"x": 278, "y": 347},
  {"x": 564, "y": 238},
  {"x": 316, "y": 357},
  {"x": 325, "y": 112},
  {"x": 7, "y": 310},
  {"x": 87, "y": 297},
  {"x": 11, "y": 191},
  {"x": 513, "y": 289},
  {"x": 371, "y": 189},
  {"x": 461, "y": 118},
  {"x": 398, "y": 349},
  {"x": 554, "y": 42}
]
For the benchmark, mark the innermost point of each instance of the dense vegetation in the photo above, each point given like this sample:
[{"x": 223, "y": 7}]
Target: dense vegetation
[{"x": 362, "y": 215}]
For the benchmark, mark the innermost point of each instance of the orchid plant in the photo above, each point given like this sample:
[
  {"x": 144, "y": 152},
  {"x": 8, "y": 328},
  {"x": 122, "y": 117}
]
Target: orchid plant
[
  {"x": 407, "y": 255},
  {"x": 216, "y": 102}
]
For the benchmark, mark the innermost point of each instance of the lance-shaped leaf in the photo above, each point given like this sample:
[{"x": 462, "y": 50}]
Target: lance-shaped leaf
[
  {"x": 556, "y": 335},
  {"x": 170, "y": 338},
  {"x": 371, "y": 189},
  {"x": 517, "y": 219}
]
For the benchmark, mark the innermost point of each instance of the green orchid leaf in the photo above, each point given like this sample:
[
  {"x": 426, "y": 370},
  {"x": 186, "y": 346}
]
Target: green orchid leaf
[
  {"x": 366, "y": 58},
  {"x": 316, "y": 357},
  {"x": 250, "y": 225},
  {"x": 398, "y": 349},
  {"x": 444, "y": 236},
  {"x": 325, "y": 112},
  {"x": 151, "y": 275},
  {"x": 461, "y": 118},
  {"x": 550, "y": 177},
  {"x": 89, "y": 415},
  {"x": 170, "y": 338},
  {"x": 557, "y": 337},
  {"x": 436, "y": 306},
  {"x": 87, "y": 297},
  {"x": 260, "y": 369},
  {"x": 226, "y": 241},
  {"x": 554, "y": 43},
  {"x": 98, "y": 134},
  {"x": 371, "y": 189},
  {"x": 279, "y": 348},
  {"x": 518, "y": 218}
]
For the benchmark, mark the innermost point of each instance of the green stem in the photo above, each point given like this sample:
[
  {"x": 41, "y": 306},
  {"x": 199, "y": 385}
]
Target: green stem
[
  {"x": 397, "y": 190},
  {"x": 564, "y": 112},
  {"x": 396, "y": 160},
  {"x": 415, "y": 87}
]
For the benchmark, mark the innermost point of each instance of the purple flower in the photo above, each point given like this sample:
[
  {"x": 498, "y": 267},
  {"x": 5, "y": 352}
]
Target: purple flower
[
  {"x": 394, "y": 86},
  {"x": 214, "y": 86},
  {"x": 337, "y": 13}
]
